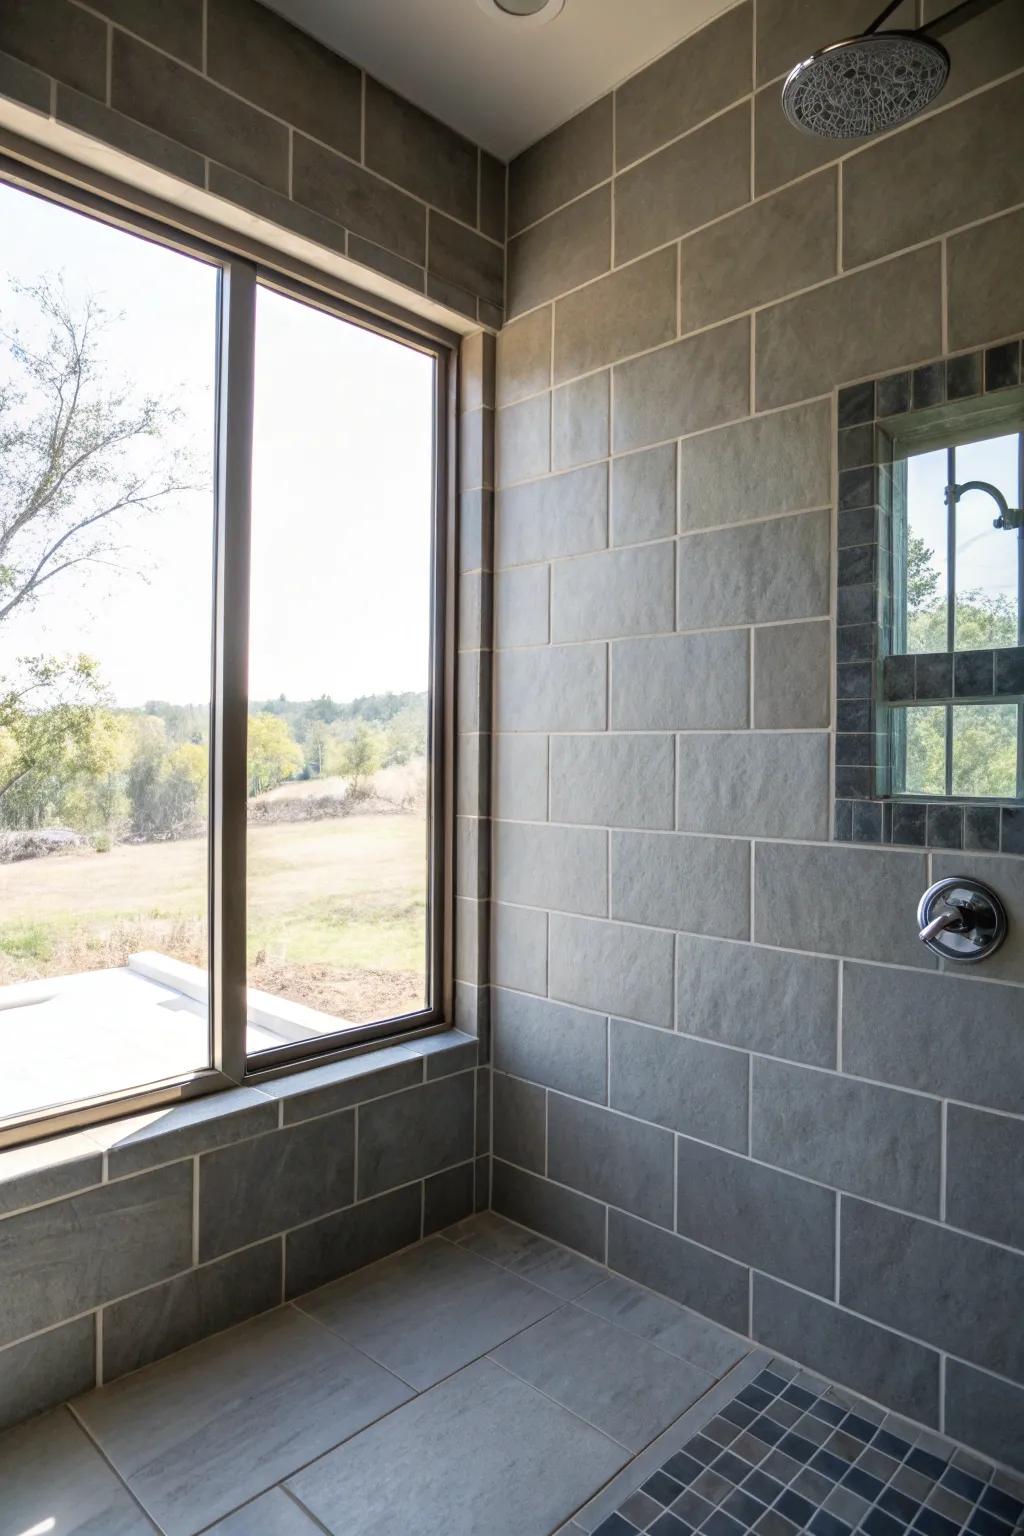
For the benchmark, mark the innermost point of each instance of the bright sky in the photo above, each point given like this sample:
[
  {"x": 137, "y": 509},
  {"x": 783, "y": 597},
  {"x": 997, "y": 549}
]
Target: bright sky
[
  {"x": 986, "y": 557},
  {"x": 342, "y": 483}
]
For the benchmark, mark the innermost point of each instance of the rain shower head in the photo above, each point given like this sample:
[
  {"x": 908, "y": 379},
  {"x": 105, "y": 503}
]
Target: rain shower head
[{"x": 868, "y": 84}]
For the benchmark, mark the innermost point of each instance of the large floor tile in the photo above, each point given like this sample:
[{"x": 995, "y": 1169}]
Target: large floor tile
[
  {"x": 622, "y": 1385},
  {"x": 554, "y": 1268},
  {"x": 202, "y": 1431},
  {"x": 272, "y": 1514},
  {"x": 480, "y": 1452},
  {"x": 52, "y": 1478},
  {"x": 667, "y": 1324},
  {"x": 429, "y": 1311}
]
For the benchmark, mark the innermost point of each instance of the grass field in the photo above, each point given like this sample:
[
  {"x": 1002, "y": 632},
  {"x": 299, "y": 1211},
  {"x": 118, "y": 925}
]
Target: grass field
[{"x": 336, "y": 910}]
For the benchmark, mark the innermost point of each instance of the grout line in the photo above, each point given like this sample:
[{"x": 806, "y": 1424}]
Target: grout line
[
  {"x": 943, "y": 1157},
  {"x": 944, "y": 294},
  {"x": 109, "y": 81},
  {"x": 195, "y": 1210},
  {"x": 840, "y": 982},
  {"x": 147, "y": 1518},
  {"x": 836, "y": 1239},
  {"x": 942, "y": 1392},
  {"x": 204, "y": 51},
  {"x": 98, "y": 1345}
]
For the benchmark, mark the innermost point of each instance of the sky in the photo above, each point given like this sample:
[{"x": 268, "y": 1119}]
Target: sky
[{"x": 342, "y": 482}]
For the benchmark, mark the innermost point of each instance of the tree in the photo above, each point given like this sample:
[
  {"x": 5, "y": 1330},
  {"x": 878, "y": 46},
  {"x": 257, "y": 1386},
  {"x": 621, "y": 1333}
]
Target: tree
[
  {"x": 47, "y": 722},
  {"x": 273, "y": 755},
  {"x": 359, "y": 758},
  {"x": 316, "y": 742}
]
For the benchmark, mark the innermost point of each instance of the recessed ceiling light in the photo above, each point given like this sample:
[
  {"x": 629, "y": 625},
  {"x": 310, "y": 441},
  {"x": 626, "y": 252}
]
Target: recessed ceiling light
[{"x": 523, "y": 13}]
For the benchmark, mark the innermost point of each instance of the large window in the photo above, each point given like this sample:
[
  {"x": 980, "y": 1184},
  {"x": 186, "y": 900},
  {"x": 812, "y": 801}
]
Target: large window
[{"x": 221, "y": 562}]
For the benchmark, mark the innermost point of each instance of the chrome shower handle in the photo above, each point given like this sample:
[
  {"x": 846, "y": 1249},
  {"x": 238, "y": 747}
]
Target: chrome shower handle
[
  {"x": 962, "y": 919},
  {"x": 937, "y": 924}
]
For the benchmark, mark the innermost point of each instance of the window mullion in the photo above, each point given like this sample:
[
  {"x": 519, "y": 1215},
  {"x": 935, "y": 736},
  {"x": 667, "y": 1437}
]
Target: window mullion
[{"x": 235, "y": 383}]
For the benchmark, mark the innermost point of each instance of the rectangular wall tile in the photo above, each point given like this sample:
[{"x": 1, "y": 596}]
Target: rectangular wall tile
[
  {"x": 768, "y": 784},
  {"x": 93, "y": 1247},
  {"x": 653, "y": 682},
  {"x": 414, "y": 1133},
  {"x": 60, "y": 39},
  {"x": 1006, "y": 875},
  {"x": 788, "y": 30},
  {"x": 695, "y": 383},
  {"x": 561, "y": 166},
  {"x": 563, "y": 515},
  {"x": 644, "y": 496},
  {"x": 709, "y": 1283},
  {"x": 346, "y": 1240},
  {"x": 417, "y": 152},
  {"x": 46, "y": 1370},
  {"x": 984, "y": 296},
  {"x": 690, "y": 883},
  {"x": 792, "y": 675},
  {"x": 615, "y": 592},
  {"x": 120, "y": 132},
  {"x": 521, "y": 778},
  {"x": 760, "y": 1000},
  {"x": 866, "y": 323},
  {"x": 519, "y": 948},
  {"x": 893, "y": 1370},
  {"x": 561, "y": 868},
  {"x": 561, "y": 1214},
  {"x": 767, "y": 571},
  {"x": 752, "y": 469},
  {"x": 459, "y": 255},
  {"x": 564, "y": 250},
  {"x": 869, "y": 1140},
  {"x": 612, "y": 781},
  {"x": 549, "y": 1043},
  {"x": 521, "y": 606},
  {"x": 361, "y": 201},
  {"x": 522, "y": 440},
  {"x": 580, "y": 420},
  {"x": 985, "y": 1174},
  {"x": 611, "y": 966},
  {"x": 680, "y": 1083},
  {"x": 183, "y": 1130},
  {"x": 449, "y": 1197},
  {"x": 519, "y": 1123},
  {"x": 552, "y": 688},
  {"x": 958, "y": 1293},
  {"x": 780, "y": 155},
  {"x": 611, "y": 1158},
  {"x": 45, "y": 1170},
  {"x": 756, "y": 1215},
  {"x": 626, "y": 312},
  {"x": 985, "y": 1412},
  {"x": 524, "y": 357}
]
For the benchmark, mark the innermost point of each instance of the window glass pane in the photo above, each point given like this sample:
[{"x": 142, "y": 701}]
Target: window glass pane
[
  {"x": 985, "y": 750},
  {"x": 927, "y": 564},
  {"x": 986, "y": 557},
  {"x": 925, "y": 772},
  {"x": 107, "y": 371},
  {"x": 338, "y": 865}
]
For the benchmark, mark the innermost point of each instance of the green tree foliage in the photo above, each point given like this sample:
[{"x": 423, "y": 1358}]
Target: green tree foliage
[
  {"x": 166, "y": 787},
  {"x": 273, "y": 754},
  {"x": 358, "y": 758},
  {"x": 50, "y": 731}
]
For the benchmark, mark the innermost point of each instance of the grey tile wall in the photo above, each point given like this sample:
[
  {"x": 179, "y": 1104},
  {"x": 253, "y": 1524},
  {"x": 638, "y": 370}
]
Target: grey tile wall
[
  {"x": 231, "y": 97},
  {"x": 725, "y": 976}
]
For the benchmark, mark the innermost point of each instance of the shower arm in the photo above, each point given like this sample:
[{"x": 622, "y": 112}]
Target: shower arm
[
  {"x": 944, "y": 23},
  {"x": 1009, "y": 517}
]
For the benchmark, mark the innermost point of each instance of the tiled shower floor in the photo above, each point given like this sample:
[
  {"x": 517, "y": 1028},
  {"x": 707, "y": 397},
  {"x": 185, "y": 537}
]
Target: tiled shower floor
[{"x": 485, "y": 1383}]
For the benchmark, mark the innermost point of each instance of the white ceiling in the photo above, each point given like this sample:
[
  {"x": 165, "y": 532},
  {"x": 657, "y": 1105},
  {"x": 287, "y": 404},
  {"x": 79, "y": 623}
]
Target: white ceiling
[{"x": 502, "y": 84}]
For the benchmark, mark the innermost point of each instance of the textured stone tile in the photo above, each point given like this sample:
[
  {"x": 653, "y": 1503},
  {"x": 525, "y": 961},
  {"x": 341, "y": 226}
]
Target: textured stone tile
[
  {"x": 1006, "y": 875},
  {"x": 458, "y": 1436},
  {"x": 60, "y": 40},
  {"x": 952, "y": 168},
  {"x": 183, "y": 1130},
  {"x": 985, "y": 1173},
  {"x": 522, "y": 440},
  {"x": 476, "y": 452},
  {"x": 521, "y": 606},
  {"x": 281, "y": 210},
  {"x": 325, "y": 1250},
  {"x": 869, "y": 1359},
  {"x": 558, "y": 867},
  {"x": 867, "y": 322},
  {"x": 46, "y": 1170},
  {"x": 356, "y": 198},
  {"x": 552, "y": 1267},
  {"x": 984, "y": 295},
  {"x": 520, "y": 778},
  {"x": 869, "y": 1140},
  {"x": 760, "y": 253},
  {"x": 612, "y": 781},
  {"x": 756, "y": 574},
  {"x": 767, "y": 1219},
  {"x": 151, "y": 87},
  {"x": 21, "y": 83},
  {"x": 167, "y": 1317},
  {"x": 519, "y": 948},
  {"x": 477, "y": 373},
  {"x": 644, "y": 496},
  {"x": 561, "y": 252},
  {"x": 558, "y": 1213},
  {"x": 524, "y": 357},
  {"x": 44, "y": 1371},
  {"x": 546, "y": 1042},
  {"x": 71, "y": 1255},
  {"x": 752, "y": 469},
  {"x": 955, "y": 1292},
  {"x": 561, "y": 166},
  {"x": 176, "y": 29},
  {"x": 780, "y": 154},
  {"x": 840, "y": 901},
  {"x": 459, "y": 255},
  {"x": 622, "y": 1385},
  {"x": 789, "y": 30},
  {"x": 612, "y": 967},
  {"x": 414, "y": 1133},
  {"x": 792, "y": 676},
  {"x": 985, "y": 1412},
  {"x": 448, "y": 1196},
  {"x": 563, "y": 515},
  {"x": 757, "y": 999},
  {"x": 700, "y": 883},
  {"x": 551, "y": 688},
  {"x": 272, "y": 1514},
  {"x": 711, "y": 1284},
  {"x": 493, "y": 176},
  {"x": 626, "y": 312},
  {"x": 611, "y": 1157},
  {"x": 680, "y": 1083},
  {"x": 208, "y": 1428},
  {"x": 580, "y": 421},
  {"x": 767, "y": 784},
  {"x": 671, "y": 193},
  {"x": 380, "y": 260},
  {"x": 419, "y": 153},
  {"x": 114, "y": 128},
  {"x": 939, "y": 1034},
  {"x": 653, "y": 682},
  {"x": 262, "y": 57},
  {"x": 696, "y": 383},
  {"x": 987, "y": 46},
  {"x": 472, "y": 763},
  {"x": 51, "y": 1471},
  {"x": 699, "y": 77},
  {"x": 666, "y": 1324},
  {"x": 519, "y": 1123},
  {"x": 614, "y": 592}
]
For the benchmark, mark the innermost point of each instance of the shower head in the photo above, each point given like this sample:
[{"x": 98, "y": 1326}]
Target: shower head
[{"x": 868, "y": 84}]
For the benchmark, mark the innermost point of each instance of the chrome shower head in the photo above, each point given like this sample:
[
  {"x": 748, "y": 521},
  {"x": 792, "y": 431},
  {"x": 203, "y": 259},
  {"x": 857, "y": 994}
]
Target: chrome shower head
[{"x": 865, "y": 84}]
